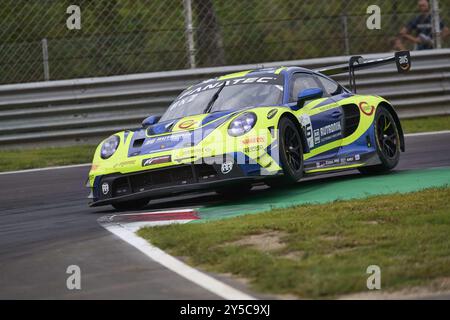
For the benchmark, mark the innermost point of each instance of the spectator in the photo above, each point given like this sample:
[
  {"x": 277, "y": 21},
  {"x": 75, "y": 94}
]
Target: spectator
[
  {"x": 419, "y": 30},
  {"x": 396, "y": 44}
]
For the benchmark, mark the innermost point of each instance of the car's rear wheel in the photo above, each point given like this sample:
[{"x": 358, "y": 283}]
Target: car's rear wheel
[
  {"x": 290, "y": 153},
  {"x": 387, "y": 142},
  {"x": 130, "y": 205}
]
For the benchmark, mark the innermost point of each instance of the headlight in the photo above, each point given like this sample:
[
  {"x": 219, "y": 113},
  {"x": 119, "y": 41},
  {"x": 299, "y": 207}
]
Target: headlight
[
  {"x": 242, "y": 124},
  {"x": 109, "y": 147}
]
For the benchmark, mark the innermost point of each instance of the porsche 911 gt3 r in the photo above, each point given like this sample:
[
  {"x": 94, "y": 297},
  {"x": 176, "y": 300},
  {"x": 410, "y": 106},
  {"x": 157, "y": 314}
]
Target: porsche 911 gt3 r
[{"x": 272, "y": 125}]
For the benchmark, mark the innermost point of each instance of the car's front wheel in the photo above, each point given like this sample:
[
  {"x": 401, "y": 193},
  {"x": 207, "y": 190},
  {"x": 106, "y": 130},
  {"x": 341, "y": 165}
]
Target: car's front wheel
[
  {"x": 130, "y": 205},
  {"x": 290, "y": 154},
  {"x": 387, "y": 140}
]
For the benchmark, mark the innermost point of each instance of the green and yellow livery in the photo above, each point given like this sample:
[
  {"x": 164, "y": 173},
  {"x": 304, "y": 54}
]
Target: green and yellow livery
[{"x": 271, "y": 125}]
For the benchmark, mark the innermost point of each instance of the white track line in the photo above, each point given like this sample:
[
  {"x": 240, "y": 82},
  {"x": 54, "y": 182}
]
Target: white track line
[
  {"x": 432, "y": 133},
  {"x": 46, "y": 169},
  {"x": 207, "y": 282},
  {"x": 151, "y": 212}
]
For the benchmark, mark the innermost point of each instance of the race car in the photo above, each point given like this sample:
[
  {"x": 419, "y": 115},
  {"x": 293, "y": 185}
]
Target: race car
[{"x": 271, "y": 125}]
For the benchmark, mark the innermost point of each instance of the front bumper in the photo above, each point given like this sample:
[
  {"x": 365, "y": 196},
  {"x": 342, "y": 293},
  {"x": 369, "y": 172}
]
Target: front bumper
[{"x": 168, "y": 181}]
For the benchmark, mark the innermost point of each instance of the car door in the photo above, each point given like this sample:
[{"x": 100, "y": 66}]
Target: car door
[{"x": 321, "y": 121}]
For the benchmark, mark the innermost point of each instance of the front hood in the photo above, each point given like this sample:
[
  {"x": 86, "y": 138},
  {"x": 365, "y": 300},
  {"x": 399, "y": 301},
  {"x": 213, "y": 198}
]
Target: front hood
[
  {"x": 186, "y": 140},
  {"x": 173, "y": 134}
]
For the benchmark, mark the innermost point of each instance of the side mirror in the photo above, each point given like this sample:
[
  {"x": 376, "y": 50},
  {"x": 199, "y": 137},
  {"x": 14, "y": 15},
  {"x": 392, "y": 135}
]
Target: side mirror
[
  {"x": 151, "y": 120},
  {"x": 308, "y": 94}
]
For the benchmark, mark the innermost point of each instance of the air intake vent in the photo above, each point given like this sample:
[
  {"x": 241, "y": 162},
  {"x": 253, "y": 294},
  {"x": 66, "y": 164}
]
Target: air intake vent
[
  {"x": 351, "y": 118},
  {"x": 138, "y": 143}
]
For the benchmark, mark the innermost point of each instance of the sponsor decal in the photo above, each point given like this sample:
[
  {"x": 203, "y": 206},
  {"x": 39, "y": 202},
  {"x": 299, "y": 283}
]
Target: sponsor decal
[
  {"x": 366, "y": 108},
  {"x": 251, "y": 140},
  {"x": 209, "y": 85},
  {"x": 326, "y": 163},
  {"x": 354, "y": 158},
  {"x": 334, "y": 161},
  {"x": 305, "y": 121},
  {"x": 272, "y": 113},
  {"x": 253, "y": 148},
  {"x": 320, "y": 164},
  {"x": 156, "y": 160},
  {"x": 329, "y": 129},
  {"x": 105, "y": 188},
  {"x": 192, "y": 154},
  {"x": 124, "y": 164},
  {"x": 169, "y": 139},
  {"x": 316, "y": 136},
  {"x": 402, "y": 60},
  {"x": 186, "y": 124},
  {"x": 189, "y": 154},
  {"x": 159, "y": 139},
  {"x": 320, "y": 135},
  {"x": 226, "y": 167},
  {"x": 331, "y": 137}
]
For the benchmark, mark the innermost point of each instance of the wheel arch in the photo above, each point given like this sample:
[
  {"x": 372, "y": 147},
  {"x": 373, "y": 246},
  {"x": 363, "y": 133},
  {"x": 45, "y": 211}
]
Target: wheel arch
[
  {"x": 294, "y": 119},
  {"x": 394, "y": 115}
]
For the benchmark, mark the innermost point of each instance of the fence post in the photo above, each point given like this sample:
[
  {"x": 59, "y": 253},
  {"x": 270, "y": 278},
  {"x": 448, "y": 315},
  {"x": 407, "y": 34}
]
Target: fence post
[
  {"x": 344, "y": 20},
  {"x": 45, "y": 59},
  {"x": 189, "y": 31},
  {"x": 436, "y": 24}
]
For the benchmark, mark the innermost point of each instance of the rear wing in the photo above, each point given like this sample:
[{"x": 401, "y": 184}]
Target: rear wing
[{"x": 401, "y": 58}]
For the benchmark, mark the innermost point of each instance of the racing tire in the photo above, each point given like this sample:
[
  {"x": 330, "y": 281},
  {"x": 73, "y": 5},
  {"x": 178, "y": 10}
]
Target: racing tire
[
  {"x": 387, "y": 141},
  {"x": 235, "y": 190},
  {"x": 290, "y": 153},
  {"x": 130, "y": 205}
]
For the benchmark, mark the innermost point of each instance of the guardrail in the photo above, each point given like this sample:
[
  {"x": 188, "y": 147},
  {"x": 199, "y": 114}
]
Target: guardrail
[{"x": 87, "y": 110}]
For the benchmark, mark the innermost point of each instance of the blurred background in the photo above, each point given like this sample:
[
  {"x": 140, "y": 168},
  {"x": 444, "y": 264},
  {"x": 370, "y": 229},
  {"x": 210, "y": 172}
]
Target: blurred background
[{"x": 134, "y": 36}]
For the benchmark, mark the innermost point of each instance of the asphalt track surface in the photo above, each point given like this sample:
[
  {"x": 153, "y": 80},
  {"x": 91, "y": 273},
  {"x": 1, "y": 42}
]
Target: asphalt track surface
[{"x": 46, "y": 225}]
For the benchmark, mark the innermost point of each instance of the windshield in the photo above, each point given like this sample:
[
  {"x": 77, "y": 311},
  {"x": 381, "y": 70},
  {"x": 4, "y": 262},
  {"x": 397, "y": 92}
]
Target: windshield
[{"x": 237, "y": 93}]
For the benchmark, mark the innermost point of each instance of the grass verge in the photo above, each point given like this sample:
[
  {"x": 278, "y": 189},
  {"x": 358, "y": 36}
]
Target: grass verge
[
  {"x": 318, "y": 251},
  {"x": 426, "y": 124},
  {"x": 21, "y": 159}
]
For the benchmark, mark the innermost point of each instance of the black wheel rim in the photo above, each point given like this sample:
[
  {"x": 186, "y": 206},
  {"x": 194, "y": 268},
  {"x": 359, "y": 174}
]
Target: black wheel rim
[
  {"x": 292, "y": 146},
  {"x": 387, "y": 136}
]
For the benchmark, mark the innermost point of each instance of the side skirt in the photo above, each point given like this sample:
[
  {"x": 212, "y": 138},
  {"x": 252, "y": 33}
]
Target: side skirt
[{"x": 342, "y": 162}]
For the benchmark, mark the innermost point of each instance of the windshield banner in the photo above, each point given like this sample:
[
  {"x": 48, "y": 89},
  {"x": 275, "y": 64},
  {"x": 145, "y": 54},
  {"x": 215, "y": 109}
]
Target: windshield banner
[{"x": 213, "y": 83}]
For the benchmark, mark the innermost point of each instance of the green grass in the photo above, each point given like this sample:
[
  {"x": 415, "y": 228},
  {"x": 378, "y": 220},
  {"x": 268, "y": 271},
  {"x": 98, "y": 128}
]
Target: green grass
[
  {"x": 45, "y": 157},
  {"x": 325, "y": 249},
  {"x": 426, "y": 124}
]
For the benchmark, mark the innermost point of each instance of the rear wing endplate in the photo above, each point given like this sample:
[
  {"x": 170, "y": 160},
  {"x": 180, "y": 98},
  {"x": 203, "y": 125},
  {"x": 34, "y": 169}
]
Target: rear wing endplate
[{"x": 402, "y": 60}]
